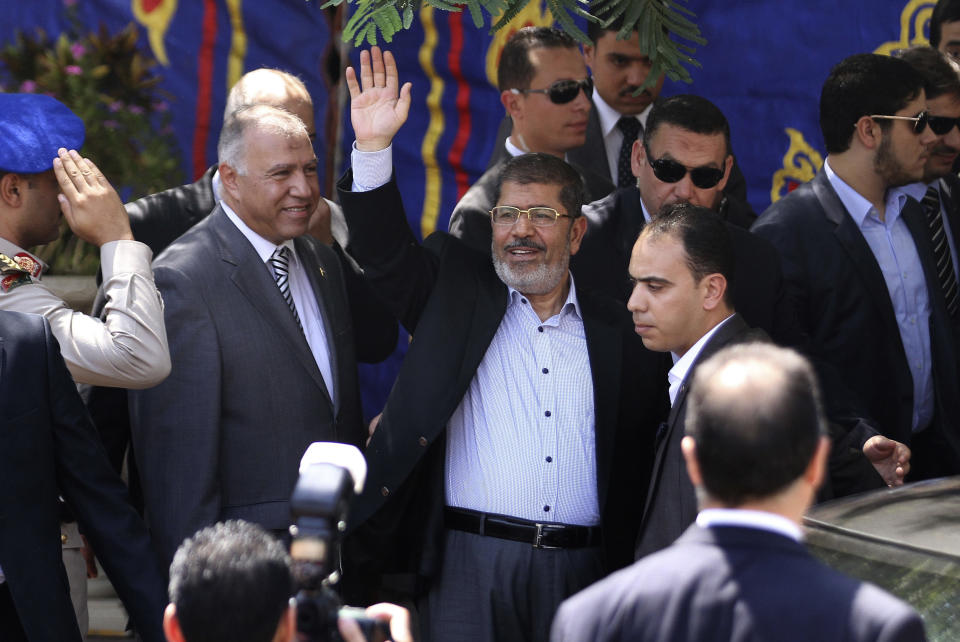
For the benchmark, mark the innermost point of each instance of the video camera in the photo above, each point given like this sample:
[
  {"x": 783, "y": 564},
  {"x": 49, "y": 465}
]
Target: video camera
[{"x": 330, "y": 475}]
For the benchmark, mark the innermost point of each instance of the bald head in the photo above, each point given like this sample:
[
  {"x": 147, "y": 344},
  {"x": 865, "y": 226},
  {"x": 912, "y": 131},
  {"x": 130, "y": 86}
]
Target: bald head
[
  {"x": 755, "y": 415},
  {"x": 275, "y": 88}
]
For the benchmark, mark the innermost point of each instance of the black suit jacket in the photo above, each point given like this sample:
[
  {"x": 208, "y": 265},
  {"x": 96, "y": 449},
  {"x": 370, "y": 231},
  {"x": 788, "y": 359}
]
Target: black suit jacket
[
  {"x": 48, "y": 447},
  {"x": 950, "y": 196},
  {"x": 734, "y": 583},
  {"x": 452, "y": 302},
  {"x": 844, "y": 307},
  {"x": 671, "y": 504},
  {"x": 222, "y": 436}
]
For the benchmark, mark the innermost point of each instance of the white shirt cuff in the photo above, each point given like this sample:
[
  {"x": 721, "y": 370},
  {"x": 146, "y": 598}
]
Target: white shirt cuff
[{"x": 371, "y": 169}]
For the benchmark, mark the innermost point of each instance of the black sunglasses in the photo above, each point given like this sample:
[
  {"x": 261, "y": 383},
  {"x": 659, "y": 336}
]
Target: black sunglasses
[
  {"x": 942, "y": 125},
  {"x": 562, "y": 91},
  {"x": 670, "y": 171},
  {"x": 920, "y": 121}
]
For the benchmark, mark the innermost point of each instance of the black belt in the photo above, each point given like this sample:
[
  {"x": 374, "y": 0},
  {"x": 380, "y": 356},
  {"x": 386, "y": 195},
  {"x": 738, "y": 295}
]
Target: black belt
[{"x": 539, "y": 535}]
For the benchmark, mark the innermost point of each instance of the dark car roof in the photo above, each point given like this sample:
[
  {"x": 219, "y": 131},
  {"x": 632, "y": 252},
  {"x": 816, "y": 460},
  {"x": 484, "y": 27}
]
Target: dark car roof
[{"x": 924, "y": 516}]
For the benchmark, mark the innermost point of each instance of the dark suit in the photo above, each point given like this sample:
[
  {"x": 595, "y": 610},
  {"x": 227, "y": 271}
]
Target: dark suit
[
  {"x": 671, "y": 504},
  {"x": 950, "y": 197},
  {"x": 593, "y": 154},
  {"x": 48, "y": 446},
  {"x": 222, "y": 437},
  {"x": 844, "y": 307},
  {"x": 452, "y": 301},
  {"x": 728, "y": 583},
  {"x": 470, "y": 221}
]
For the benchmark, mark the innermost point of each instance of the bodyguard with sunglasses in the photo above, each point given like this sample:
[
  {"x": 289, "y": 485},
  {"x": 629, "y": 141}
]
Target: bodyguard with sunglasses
[
  {"x": 860, "y": 263},
  {"x": 545, "y": 90}
]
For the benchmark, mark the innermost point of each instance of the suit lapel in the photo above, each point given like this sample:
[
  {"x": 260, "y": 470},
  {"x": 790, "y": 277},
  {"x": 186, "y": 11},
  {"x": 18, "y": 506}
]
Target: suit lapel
[
  {"x": 592, "y": 153},
  {"x": 251, "y": 276},
  {"x": 853, "y": 242},
  {"x": 321, "y": 291},
  {"x": 488, "y": 310},
  {"x": 605, "y": 352}
]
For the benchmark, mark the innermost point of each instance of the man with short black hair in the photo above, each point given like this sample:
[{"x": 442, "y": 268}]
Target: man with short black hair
[
  {"x": 859, "y": 262},
  {"x": 756, "y": 449},
  {"x": 545, "y": 89},
  {"x": 945, "y": 27}
]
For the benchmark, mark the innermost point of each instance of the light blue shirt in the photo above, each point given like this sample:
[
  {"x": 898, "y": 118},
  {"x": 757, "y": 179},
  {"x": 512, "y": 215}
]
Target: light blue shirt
[
  {"x": 918, "y": 191},
  {"x": 896, "y": 254}
]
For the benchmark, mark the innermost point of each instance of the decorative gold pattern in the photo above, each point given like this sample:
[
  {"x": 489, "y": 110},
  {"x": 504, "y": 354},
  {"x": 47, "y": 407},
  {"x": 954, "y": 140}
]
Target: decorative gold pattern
[{"x": 800, "y": 164}]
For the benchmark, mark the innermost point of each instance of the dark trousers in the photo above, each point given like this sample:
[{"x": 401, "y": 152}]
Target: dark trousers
[
  {"x": 10, "y": 628},
  {"x": 931, "y": 455},
  {"x": 497, "y": 590}
]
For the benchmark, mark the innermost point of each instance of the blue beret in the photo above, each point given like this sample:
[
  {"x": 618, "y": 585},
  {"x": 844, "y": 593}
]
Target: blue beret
[{"x": 32, "y": 128}]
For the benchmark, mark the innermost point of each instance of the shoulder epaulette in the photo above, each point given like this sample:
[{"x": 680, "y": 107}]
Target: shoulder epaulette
[{"x": 11, "y": 274}]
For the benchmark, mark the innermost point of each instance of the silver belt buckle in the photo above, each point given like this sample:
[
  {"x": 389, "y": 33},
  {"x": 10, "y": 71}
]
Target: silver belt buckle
[{"x": 537, "y": 541}]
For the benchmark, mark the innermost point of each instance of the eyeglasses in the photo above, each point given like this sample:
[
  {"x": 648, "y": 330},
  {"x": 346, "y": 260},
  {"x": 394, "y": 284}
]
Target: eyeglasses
[
  {"x": 539, "y": 216},
  {"x": 562, "y": 91},
  {"x": 920, "y": 121},
  {"x": 670, "y": 171},
  {"x": 942, "y": 125}
]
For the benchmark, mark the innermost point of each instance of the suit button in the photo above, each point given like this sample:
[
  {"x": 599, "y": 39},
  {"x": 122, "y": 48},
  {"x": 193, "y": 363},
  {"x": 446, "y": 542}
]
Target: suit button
[
  {"x": 384, "y": 491},
  {"x": 63, "y": 538},
  {"x": 422, "y": 441}
]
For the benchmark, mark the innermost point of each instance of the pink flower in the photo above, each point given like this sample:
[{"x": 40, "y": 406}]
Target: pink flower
[
  {"x": 115, "y": 106},
  {"x": 28, "y": 86},
  {"x": 136, "y": 109},
  {"x": 77, "y": 50},
  {"x": 73, "y": 70},
  {"x": 111, "y": 124}
]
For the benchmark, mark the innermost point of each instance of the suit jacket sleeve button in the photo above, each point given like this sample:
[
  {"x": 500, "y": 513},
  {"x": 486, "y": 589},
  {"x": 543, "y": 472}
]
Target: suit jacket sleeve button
[
  {"x": 384, "y": 491},
  {"x": 422, "y": 441}
]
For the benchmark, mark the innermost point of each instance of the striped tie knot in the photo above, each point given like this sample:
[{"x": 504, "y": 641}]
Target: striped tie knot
[{"x": 280, "y": 264}]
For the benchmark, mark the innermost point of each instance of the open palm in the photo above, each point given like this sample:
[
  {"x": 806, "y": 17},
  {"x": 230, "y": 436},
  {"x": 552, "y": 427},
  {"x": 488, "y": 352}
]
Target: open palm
[{"x": 378, "y": 106}]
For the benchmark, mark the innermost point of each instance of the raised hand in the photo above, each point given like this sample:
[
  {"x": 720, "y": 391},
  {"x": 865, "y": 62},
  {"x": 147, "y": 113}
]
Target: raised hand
[
  {"x": 92, "y": 207},
  {"x": 377, "y": 108}
]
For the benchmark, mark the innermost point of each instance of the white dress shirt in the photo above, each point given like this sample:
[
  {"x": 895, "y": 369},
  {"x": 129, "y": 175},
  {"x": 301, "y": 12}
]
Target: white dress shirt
[
  {"x": 612, "y": 136},
  {"x": 892, "y": 245},
  {"x": 761, "y": 520},
  {"x": 681, "y": 365},
  {"x": 303, "y": 297}
]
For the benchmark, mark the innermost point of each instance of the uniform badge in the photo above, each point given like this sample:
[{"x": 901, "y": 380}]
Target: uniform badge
[
  {"x": 31, "y": 265},
  {"x": 12, "y": 274}
]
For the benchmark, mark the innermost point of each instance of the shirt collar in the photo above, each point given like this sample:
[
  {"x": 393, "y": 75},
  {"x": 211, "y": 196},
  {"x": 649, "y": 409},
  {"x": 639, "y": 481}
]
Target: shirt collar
[
  {"x": 263, "y": 247},
  {"x": 512, "y": 149},
  {"x": 918, "y": 190},
  {"x": 758, "y": 519},
  {"x": 609, "y": 116},
  {"x": 681, "y": 365},
  {"x": 216, "y": 183},
  {"x": 857, "y": 206},
  {"x": 643, "y": 207},
  {"x": 571, "y": 303}
]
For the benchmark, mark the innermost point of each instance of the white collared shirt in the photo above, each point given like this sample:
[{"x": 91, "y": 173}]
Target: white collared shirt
[
  {"x": 896, "y": 254},
  {"x": 681, "y": 365},
  {"x": 303, "y": 297},
  {"x": 761, "y": 520},
  {"x": 612, "y": 136}
]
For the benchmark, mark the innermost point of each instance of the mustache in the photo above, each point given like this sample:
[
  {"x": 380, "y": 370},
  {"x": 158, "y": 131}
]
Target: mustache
[
  {"x": 628, "y": 91},
  {"x": 524, "y": 243},
  {"x": 944, "y": 149}
]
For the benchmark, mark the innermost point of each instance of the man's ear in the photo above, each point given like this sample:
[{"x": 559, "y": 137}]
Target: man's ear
[
  {"x": 715, "y": 286},
  {"x": 11, "y": 189},
  {"x": 577, "y": 229},
  {"x": 511, "y": 103},
  {"x": 727, "y": 168},
  {"x": 171, "y": 625},
  {"x": 638, "y": 156},
  {"x": 228, "y": 179},
  {"x": 689, "y": 448},
  {"x": 868, "y": 132}
]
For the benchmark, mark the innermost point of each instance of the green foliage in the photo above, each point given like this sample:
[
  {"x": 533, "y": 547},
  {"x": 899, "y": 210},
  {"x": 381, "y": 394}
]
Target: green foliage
[
  {"x": 106, "y": 80},
  {"x": 666, "y": 30}
]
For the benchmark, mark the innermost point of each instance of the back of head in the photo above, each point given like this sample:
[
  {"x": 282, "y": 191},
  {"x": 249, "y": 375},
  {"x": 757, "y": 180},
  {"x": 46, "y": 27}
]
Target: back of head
[
  {"x": 704, "y": 237},
  {"x": 230, "y": 147},
  {"x": 266, "y": 86},
  {"x": 230, "y": 582},
  {"x": 544, "y": 169},
  {"x": 863, "y": 85},
  {"x": 945, "y": 11},
  {"x": 754, "y": 412},
  {"x": 939, "y": 73},
  {"x": 515, "y": 70},
  {"x": 689, "y": 112}
]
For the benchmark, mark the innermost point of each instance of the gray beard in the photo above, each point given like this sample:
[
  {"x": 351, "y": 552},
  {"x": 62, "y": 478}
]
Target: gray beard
[{"x": 538, "y": 280}]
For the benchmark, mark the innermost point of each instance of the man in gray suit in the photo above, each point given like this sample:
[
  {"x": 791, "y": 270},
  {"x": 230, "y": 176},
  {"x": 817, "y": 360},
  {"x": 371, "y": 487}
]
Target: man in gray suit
[{"x": 261, "y": 342}]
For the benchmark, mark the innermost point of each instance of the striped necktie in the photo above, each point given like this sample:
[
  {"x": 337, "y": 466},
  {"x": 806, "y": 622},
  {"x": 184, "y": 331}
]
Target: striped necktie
[
  {"x": 280, "y": 263},
  {"x": 941, "y": 250}
]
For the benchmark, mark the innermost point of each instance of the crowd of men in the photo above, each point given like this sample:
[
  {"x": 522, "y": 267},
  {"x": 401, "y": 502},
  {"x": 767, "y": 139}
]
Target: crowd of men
[{"x": 614, "y": 363}]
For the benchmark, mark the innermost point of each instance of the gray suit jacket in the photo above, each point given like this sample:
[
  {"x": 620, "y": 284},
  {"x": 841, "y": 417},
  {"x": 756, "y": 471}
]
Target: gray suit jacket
[{"x": 222, "y": 437}]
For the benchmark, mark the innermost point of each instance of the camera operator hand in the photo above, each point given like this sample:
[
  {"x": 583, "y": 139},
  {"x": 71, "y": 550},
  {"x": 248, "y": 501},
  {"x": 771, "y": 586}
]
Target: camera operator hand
[{"x": 397, "y": 616}]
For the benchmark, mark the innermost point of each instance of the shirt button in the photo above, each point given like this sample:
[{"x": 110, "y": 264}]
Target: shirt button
[
  {"x": 546, "y": 414},
  {"x": 549, "y": 459},
  {"x": 384, "y": 491},
  {"x": 422, "y": 441},
  {"x": 523, "y": 301},
  {"x": 540, "y": 329},
  {"x": 545, "y": 370},
  {"x": 546, "y": 509}
]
